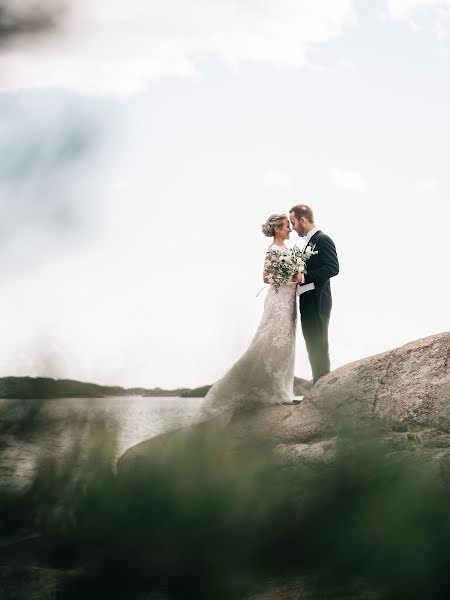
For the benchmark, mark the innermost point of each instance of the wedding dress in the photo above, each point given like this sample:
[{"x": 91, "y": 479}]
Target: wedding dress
[{"x": 265, "y": 372}]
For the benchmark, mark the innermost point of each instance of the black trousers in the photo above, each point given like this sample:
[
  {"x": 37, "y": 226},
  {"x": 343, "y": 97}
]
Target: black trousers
[{"x": 315, "y": 310}]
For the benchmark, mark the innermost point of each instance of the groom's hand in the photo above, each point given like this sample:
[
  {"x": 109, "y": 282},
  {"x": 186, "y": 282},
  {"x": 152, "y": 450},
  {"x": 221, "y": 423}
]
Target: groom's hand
[{"x": 298, "y": 278}]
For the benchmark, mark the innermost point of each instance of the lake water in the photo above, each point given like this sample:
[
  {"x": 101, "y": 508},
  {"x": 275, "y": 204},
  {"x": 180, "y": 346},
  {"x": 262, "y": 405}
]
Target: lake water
[{"x": 30, "y": 429}]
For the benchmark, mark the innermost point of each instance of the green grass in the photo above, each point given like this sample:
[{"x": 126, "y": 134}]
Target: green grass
[{"x": 204, "y": 520}]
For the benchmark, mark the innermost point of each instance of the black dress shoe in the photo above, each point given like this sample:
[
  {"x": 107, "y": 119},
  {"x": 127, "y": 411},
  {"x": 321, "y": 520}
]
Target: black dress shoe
[{"x": 291, "y": 403}]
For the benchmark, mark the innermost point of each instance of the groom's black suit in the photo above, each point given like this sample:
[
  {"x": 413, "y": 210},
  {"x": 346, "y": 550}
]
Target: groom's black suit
[{"x": 315, "y": 305}]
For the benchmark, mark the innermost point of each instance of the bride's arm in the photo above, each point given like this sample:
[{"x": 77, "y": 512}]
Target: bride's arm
[{"x": 270, "y": 272}]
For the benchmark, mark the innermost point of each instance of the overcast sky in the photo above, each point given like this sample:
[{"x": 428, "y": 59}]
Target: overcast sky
[{"x": 142, "y": 144}]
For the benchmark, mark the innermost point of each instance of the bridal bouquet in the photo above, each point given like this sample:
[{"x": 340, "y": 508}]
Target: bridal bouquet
[{"x": 286, "y": 263}]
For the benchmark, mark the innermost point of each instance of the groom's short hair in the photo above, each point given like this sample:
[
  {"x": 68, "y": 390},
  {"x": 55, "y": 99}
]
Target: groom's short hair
[{"x": 302, "y": 210}]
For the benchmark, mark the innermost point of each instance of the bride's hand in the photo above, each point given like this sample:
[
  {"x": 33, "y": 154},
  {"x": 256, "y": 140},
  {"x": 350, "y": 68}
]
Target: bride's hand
[{"x": 298, "y": 278}]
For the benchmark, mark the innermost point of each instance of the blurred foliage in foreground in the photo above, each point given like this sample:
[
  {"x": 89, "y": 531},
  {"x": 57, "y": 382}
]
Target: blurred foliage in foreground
[{"x": 208, "y": 521}]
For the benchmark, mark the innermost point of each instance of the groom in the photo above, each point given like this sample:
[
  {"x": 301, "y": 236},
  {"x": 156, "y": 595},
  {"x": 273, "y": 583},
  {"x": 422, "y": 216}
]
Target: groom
[{"x": 315, "y": 292}]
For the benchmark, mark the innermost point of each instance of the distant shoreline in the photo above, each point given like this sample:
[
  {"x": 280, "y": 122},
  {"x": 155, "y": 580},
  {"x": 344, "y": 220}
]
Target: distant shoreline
[{"x": 48, "y": 388}]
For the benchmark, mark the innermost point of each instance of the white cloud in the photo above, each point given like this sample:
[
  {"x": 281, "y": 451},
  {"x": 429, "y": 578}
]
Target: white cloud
[
  {"x": 414, "y": 26},
  {"x": 277, "y": 179},
  {"x": 55, "y": 362},
  {"x": 349, "y": 66},
  {"x": 406, "y": 9},
  {"x": 350, "y": 181},
  {"x": 114, "y": 47},
  {"x": 428, "y": 184},
  {"x": 442, "y": 24},
  {"x": 437, "y": 11}
]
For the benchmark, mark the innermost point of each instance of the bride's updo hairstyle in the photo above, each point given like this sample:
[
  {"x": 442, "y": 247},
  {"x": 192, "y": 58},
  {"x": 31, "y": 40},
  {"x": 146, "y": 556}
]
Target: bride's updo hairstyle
[{"x": 268, "y": 228}]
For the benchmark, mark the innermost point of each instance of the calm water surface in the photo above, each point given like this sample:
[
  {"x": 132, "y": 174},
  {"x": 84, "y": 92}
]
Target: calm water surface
[{"x": 54, "y": 425}]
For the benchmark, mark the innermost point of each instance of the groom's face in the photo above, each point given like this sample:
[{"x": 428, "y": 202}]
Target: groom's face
[{"x": 298, "y": 224}]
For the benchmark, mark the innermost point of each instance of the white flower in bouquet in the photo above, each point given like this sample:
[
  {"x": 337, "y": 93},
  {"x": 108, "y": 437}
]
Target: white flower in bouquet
[{"x": 287, "y": 263}]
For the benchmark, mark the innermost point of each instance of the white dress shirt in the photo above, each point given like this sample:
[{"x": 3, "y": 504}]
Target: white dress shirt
[{"x": 309, "y": 236}]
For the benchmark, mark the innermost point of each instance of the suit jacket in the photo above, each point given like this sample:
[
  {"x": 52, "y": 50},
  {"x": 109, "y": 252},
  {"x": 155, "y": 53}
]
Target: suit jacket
[{"x": 321, "y": 267}]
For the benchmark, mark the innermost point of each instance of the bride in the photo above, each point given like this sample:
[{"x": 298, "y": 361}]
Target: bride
[{"x": 265, "y": 372}]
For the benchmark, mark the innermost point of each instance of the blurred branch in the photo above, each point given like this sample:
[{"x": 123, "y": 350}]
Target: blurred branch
[{"x": 29, "y": 20}]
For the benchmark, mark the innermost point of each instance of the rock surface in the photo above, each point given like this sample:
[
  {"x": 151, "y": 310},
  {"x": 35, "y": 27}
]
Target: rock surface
[{"x": 405, "y": 391}]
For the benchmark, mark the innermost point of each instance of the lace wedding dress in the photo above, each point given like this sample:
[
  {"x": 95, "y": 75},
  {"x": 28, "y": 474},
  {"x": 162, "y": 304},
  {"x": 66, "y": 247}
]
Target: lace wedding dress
[{"x": 265, "y": 372}]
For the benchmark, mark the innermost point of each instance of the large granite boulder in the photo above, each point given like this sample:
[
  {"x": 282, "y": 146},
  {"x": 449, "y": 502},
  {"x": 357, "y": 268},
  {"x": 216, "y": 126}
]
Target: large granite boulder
[{"x": 404, "y": 392}]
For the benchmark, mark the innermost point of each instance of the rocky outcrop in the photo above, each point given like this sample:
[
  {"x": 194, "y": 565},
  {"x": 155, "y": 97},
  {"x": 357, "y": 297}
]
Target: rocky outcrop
[
  {"x": 408, "y": 386},
  {"x": 404, "y": 392}
]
